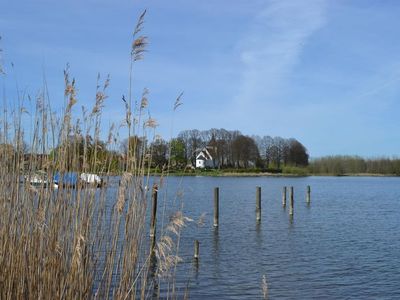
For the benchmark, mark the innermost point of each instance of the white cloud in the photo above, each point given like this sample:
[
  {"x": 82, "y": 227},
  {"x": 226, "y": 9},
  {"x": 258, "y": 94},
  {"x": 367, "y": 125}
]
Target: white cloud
[{"x": 273, "y": 47}]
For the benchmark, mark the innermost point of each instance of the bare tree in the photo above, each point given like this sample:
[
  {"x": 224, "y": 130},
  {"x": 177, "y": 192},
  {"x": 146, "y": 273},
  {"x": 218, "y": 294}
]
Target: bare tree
[{"x": 245, "y": 151}]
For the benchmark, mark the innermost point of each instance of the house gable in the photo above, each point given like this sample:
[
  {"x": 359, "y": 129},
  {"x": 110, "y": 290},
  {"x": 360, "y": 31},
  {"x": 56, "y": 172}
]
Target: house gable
[{"x": 204, "y": 159}]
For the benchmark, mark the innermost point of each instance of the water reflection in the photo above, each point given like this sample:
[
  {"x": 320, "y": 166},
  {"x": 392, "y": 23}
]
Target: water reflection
[
  {"x": 196, "y": 268},
  {"x": 215, "y": 253},
  {"x": 215, "y": 241},
  {"x": 291, "y": 221},
  {"x": 258, "y": 235}
]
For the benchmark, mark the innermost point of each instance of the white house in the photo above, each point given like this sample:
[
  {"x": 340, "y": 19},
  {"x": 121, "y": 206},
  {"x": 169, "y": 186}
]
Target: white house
[{"x": 204, "y": 159}]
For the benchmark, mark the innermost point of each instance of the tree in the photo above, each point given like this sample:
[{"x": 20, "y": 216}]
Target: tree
[
  {"x": 159, "y": 151},
  {"x": 7, "y": 155},
  {"x": 192, "y": 141},
  {"x": 79, "y": 153},
  {"x": 136, "y": 147},
  {"x": 297, "y": 154},
  {"x": 177, "y": 153},
  {"x": 244, "y": 151},
  {"x": 274, "y": 156},
  {"x": 279, "y": 151}
]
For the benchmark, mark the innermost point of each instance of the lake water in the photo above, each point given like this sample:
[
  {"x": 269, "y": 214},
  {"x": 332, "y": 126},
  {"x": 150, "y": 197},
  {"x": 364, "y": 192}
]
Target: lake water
[{"x": 345, "y": 245}]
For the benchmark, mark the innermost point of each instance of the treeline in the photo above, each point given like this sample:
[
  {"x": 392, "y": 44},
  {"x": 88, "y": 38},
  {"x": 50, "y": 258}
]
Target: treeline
[
  {"x": 342, "y": 165},
  {"x": 229, "y": 149},
  {"x": 232, "y": 149},
  {"x": 86, "y": 153}
]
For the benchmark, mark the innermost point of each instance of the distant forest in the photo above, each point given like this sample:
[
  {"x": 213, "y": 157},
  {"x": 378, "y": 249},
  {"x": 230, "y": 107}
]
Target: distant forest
[{"x": 342, "y": 165}]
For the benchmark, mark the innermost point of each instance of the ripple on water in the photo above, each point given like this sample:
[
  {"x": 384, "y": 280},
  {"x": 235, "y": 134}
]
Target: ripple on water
[{"x": 345, "y": 245}]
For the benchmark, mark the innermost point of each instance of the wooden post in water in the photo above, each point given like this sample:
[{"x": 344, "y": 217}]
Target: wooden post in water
[
  {"x": 258, "y": 204},
  {"x": 216, "y": 207},
  {"x": 153, "y": 221},
  {"x": 196, "y": 249},
  {"x": 284, "y": 196},
  {"x": 308, "y": 194},
  {"x": 291, "y": 201}
]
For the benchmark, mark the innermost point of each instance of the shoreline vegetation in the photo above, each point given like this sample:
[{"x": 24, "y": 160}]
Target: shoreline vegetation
[
  {"x": 324, "y": 166},
  {"x": 222, "y": 173}
]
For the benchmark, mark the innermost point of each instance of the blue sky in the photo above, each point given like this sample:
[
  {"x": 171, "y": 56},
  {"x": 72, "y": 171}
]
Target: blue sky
[{"x": 324, "y": 72}]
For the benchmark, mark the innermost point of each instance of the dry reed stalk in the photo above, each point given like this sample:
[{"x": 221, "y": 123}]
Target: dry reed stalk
[
  {"x": 70, "y": 242},
  {"x": 1, "y": 61},
  {"x": 167, "y": 249}
]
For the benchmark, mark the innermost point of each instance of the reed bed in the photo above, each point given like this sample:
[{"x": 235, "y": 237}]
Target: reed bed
[{"x": 77, "y": 241}]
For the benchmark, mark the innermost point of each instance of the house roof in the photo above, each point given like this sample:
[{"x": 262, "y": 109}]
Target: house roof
[
  {"x": 204, "y": 154},
  {"x": 201, "y": 156}
]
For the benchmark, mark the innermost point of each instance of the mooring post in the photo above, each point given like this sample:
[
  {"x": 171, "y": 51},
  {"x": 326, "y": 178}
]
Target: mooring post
[
  {"x": 284, "y": 196},
  {"x": 216, "y": 207},
  {"x": 291, "y": 201},
  {"x": 308, "y": 194},
  {"x": 258, "y": 204},
  {"x": 153, "y": 217},
  {"x": 196, "y": 249}
]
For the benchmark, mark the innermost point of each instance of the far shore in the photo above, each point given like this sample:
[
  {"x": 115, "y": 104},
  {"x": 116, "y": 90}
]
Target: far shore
[{"x": 268, "y": 174}]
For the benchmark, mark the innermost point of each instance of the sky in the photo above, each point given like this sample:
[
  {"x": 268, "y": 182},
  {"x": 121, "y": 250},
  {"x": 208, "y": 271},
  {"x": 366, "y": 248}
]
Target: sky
[{"x": 324, "y": 72}]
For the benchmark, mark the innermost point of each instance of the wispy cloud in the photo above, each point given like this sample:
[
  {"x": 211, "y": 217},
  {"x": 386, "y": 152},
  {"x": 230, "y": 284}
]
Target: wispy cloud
[{"x": 273, "y": 47}]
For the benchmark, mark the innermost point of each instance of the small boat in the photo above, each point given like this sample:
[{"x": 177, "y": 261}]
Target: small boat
[
  {"x": 39, "y": 179},
  {"x": 91, "y": 179}
]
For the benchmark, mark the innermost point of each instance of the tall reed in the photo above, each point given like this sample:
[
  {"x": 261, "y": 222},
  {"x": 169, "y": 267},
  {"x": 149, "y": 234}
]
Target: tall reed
[{"x": 75, "y": 241}]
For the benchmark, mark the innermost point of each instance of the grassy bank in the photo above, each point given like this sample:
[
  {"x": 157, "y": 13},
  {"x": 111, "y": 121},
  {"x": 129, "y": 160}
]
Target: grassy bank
[
  {"x": 286, "y": 172},
  {"x": 228, "y": 172}
]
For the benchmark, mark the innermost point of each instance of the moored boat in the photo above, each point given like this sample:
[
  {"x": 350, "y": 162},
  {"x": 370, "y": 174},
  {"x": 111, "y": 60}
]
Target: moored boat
[
  {"x": 39, "y": 179},
  {"x": 91, "y": 179}
]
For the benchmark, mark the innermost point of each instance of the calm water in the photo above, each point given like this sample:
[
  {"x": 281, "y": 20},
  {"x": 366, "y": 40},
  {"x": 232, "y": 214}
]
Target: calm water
[{"x": 345, "y": 245}]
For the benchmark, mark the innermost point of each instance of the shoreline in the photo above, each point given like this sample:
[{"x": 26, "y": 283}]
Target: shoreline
[{"x": 267, "y": 174}]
